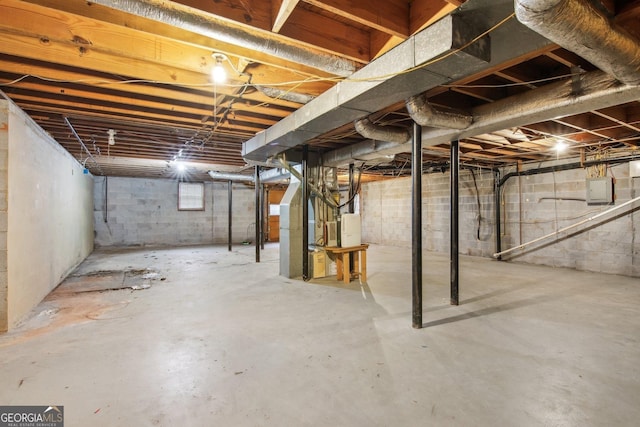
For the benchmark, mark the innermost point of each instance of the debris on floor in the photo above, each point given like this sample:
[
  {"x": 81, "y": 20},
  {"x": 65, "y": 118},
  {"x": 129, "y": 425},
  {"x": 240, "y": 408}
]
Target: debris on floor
[
  {"x": 84, "y": 297},
  {"x": 110, "y": 280}
]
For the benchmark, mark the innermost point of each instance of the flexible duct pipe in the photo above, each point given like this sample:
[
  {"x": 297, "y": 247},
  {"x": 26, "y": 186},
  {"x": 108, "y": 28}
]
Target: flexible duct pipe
[
  {"x": 286, "y": 95},
  {"x": 270, "y": 176},
  {"x": 424, "y": 114},
  {"x": 391, "y": 134},
  {"x": 579, "y": 27},
  {"x": 225, "y": 31},
  {"x": 597, "y": 90},
  {"x": 231, "y": 176},
  {"x": 275, "y": 175}
]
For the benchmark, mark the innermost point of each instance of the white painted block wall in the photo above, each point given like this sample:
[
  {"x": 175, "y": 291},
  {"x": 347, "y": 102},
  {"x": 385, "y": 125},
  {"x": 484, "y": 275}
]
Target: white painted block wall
[
  {"x": 47, "y": 203},
  {"x": 144, "y": 212}
]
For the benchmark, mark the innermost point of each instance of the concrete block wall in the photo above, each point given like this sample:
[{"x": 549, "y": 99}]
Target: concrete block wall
[
  {"x": 141, "y": 211},
  {"x": 531, "y": 208},
  {"x": 552, "y": 201},
  {"x": 4, "y": 199},
  {"x": 46, "y": 223},
  {"x": 386, "y": 212}
]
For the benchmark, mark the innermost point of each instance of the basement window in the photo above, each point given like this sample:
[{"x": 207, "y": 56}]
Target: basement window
[{"x": 190, "y": 196}]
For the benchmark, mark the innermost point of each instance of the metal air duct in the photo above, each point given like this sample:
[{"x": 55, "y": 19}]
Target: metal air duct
[
  {"x": 270, "y": 176},
  {"x": 596, "y": 90},
  {"x": 231, "y": 176},
  {"x": 425, "y": 114},
  {"x": 391, "y": 134},
  {"x": 226, "y": 31},
  {"x": 286, "y": 95},
  {"x": 578, "y": 26}
]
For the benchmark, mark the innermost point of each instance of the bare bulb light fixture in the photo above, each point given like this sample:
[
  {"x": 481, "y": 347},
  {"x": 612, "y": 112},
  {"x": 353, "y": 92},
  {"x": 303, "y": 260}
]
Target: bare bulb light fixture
[
  {"x": 561, "y": 146},
  {"x": 218, "y": 73},
  {"x": 112, "y": 136}
]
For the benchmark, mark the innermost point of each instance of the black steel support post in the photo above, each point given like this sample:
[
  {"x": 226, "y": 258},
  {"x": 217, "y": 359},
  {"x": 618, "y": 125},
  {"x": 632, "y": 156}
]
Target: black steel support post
[
  {"x": 496, "y": 192},
  {"x": 454, "y": 221},
  {"x": 305, "y": 214},
  {"x": 266, "y": 213},
  {"x": 258, "y": 221},
  {"x": 229, "y": 221},
  {"x": 352, "y": 205},
  {"x": 263, "y": 216},
  {"x": 416, "y": 225}
]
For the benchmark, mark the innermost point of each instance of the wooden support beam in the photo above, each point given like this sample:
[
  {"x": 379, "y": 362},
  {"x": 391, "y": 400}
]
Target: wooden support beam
[
  {"x": 82, "y": 8},
  {"x": 387, "y": 16},
  {"x": 282, "y": 9},
  {"x": 425, "y": 12},
  {"x": 328, "y": 34}
]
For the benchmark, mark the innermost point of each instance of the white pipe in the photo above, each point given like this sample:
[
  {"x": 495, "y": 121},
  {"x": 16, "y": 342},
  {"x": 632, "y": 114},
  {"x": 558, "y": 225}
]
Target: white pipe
[
  {"x": 312, "y": 187},
  {"x": 539, "y": 239}
]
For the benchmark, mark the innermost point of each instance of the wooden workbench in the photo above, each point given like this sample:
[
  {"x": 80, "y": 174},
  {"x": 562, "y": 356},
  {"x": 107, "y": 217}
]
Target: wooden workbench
[{"x": 343, "y": 267}]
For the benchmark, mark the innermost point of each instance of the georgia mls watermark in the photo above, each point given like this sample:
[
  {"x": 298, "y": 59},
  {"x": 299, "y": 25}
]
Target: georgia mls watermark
[{"x": 31, "y": 416}]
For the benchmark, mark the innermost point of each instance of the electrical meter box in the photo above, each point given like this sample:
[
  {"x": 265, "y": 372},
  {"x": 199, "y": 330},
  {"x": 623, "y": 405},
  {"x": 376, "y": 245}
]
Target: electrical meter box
[{"x": 600, "y": 191}]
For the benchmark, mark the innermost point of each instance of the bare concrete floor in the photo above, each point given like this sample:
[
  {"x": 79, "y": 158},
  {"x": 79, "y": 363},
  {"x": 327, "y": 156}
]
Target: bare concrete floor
[{"x": 217, "y": 340}]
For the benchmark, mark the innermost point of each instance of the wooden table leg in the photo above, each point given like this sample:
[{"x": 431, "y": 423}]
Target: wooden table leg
[
  {"x": 339, "y": 266},
  {"x": 356, "y": 262},
  {"x": 363, "y": 266},
  {"x": 346, "y": 272}
]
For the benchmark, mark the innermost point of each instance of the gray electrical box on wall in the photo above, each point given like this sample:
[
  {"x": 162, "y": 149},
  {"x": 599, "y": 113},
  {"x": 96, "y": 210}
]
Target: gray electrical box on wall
[{"x": 600, "y": 191}]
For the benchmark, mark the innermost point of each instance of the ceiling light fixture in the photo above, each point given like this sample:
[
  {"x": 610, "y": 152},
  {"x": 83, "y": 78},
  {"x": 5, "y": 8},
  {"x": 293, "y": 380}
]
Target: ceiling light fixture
[
  {"x": 561, "y": 146},
  {"x": 112, "y": 136},
  {"x": 218, "y": 73}
]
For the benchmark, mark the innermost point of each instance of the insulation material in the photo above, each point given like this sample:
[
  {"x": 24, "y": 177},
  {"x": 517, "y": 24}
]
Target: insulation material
[
  {"x": 426, "y": 115},
  {"x": 579, "y": 27}
]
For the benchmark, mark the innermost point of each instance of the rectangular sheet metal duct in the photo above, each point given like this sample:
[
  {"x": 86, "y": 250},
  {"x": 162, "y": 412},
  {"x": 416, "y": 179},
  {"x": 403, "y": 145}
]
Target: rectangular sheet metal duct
[{"x": 404, "y": 71}]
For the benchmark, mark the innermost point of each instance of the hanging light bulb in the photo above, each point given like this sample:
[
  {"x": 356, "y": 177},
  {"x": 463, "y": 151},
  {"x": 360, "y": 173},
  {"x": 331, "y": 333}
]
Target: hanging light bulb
[
  {"x": 112, "y": 136},
  {"x": 218, "y": 72},
  {"x": 561, "y": 146}
]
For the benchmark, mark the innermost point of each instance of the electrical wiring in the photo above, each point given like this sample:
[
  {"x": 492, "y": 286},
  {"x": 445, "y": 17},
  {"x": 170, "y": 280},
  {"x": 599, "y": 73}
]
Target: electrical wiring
[
  {"x": 354, "y": 188},
  {"x": 274, "y": 84},
  {"x": 526, "y": 83},
  {"x": 475, "y": 184}
]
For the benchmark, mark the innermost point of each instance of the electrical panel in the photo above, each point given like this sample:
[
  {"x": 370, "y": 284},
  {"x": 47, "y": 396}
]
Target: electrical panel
[
  {"x": 600, "y": 191},
  {"x": 634, "y": 169}
]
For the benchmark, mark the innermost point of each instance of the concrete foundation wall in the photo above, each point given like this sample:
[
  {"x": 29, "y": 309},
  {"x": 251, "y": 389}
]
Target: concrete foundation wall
[
  {"x": 608, "y": 245},
  {"x": 612, "y": 246},
  {"x": 46, "y": 212},
  {"x": 141, "y": 211},
  {"x": 386, "y": 213},
  {"x": 4, "y": 212}
]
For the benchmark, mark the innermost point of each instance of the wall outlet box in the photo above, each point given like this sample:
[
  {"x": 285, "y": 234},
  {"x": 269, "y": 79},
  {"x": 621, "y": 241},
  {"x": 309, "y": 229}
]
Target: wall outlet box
[{"x": 600, "y": 191}]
